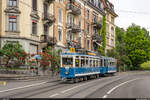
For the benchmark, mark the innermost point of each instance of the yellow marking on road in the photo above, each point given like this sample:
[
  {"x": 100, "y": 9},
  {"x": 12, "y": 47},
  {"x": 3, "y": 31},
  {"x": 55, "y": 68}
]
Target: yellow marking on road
[{"x": 4, "y": 83}]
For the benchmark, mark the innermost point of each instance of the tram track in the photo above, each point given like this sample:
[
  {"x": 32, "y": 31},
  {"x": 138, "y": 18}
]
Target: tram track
[{"x": 34, "y": 90}]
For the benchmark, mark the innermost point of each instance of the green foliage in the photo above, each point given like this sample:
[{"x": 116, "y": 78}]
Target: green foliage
[
  {"x": 137, "y": 46},
  {"x": 13, "y": 52},
  {"x": 145, "y": 65},
  {"x": 113, "y": 53},
  {"x": 132, "y": 47},
  {"x": 102, "y": 49},
  {"x": 56, "y": 54}
]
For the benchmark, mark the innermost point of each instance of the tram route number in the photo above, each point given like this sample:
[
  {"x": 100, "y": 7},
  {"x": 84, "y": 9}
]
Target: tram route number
[{"x": 72, "y": 50}]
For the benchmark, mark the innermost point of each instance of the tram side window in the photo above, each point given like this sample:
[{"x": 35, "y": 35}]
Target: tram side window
[
  {"x": 90, "y": 63},
  {"x": 87, "y": 65},
  {"x": 96, "y": 63},
  {"x": 93, "y": 63},
  {"x": 82, "y": 63},
  {"x": 104, "y": 63},
  {"x": 77, "y": 62},
  {"x": 67, "y": 62},
  {"x": 101, "y": 62}
]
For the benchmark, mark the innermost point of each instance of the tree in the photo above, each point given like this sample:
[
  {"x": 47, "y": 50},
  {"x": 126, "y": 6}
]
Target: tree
[
  {"x": 137, "y": 45},
  {"x": 12, "y": 52},
  {"x": 55, "y": 62},
  {"x": 120, "y": 44}
]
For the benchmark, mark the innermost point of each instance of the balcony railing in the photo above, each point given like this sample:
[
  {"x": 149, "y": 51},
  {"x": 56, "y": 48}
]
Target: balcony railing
[
  {"x": 96, "y": 23},
  {"x": 75, "y": 44},
  {"x": 74, "y": 9},
  {"x": 48, "y": 39},
  {"x": 48, "y": 1},
  {"x": 75, "y": 28},
  {"x": 48, "y": 18},
  {"x": 96, "y": 37}
]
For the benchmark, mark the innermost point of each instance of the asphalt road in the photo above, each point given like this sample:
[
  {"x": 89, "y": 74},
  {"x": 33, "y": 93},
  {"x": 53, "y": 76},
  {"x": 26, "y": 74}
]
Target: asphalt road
[{"x": 122, "y": 85}]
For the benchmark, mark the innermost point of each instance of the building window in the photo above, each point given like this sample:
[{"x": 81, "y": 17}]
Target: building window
[
  {"x": 60, "y": 1},
  {"x": 79, "y": 40},
  {"x": 13, "y": 3},
  {"x": 34, "y": 27},
  {"x": 12, "y": 23},
  {"x": 60, "y": 34},
  {"x": 34, "y": 5},
  {"x": 112, "y": 42},
  {"x": 60, "y": 15},
  {"x": 88, "y": 28},
  {"x": 112, "y": 31},
  {"x": 88, "y": 14},
  {"x": 46, "y": 29},
  {"x": 112, "y": 19},
  {"x": 88, "y": 44},
  {"x": 107, "y": 41},
  {"x": 79, "y": 23}
]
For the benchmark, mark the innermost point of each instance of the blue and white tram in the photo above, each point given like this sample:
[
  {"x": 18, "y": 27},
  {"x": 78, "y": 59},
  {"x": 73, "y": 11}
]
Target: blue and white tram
[{"x": 77, "y": 66}]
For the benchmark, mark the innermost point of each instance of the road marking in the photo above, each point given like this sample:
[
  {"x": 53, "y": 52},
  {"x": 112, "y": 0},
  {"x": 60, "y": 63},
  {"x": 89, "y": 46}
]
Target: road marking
[
  {"x": 23, "y": 87},
  {"x": 77, "y": 86},
  {"x": 54, "y": 95},
  {"x": 72, "y": 88},
  {"x": 110, "y": 91},
  {"x": 80, "y": 86},
  {"x": 105, "y": 96}
]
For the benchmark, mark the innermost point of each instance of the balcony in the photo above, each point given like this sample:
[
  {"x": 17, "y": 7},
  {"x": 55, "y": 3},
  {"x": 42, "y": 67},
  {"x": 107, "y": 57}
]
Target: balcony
[
  {"x": 74, "y": 9},
  {"x": 75, "y": 44},
  {"x": 48, "y": 39},
  {"x": 96, "y": 23},
  {"x": 74, "y": 28},
  {"x": 48, "y": 1},
  {"x": 96, "y": 38},
  {"x": 48, "y": 18}
]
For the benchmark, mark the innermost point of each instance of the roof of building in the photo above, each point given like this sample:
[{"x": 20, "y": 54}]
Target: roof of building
[{"x": 109, "y": 7}]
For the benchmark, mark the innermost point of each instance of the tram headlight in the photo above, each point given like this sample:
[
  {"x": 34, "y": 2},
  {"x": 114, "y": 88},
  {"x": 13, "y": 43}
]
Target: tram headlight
[{"x": 67, "y": 73}]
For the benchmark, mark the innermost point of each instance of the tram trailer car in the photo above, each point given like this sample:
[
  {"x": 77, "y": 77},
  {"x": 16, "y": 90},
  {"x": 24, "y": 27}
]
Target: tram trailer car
[{"x": 78, "y": 67}]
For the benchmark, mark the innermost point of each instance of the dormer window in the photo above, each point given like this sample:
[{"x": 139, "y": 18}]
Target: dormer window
[{"x": 12, "y": 3}]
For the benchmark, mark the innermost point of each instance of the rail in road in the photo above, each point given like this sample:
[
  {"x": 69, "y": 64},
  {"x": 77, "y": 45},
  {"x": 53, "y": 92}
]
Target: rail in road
[{"x": 119, "y": 86}]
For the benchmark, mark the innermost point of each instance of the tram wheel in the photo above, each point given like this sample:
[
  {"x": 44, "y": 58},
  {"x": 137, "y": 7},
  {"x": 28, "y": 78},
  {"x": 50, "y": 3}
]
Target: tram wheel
[
  {"x": 76, "y": 80},
  {"x": 85, "y": 78},
  {"x": 97, "y": 76},
  {"x": 81, "y": 79}
]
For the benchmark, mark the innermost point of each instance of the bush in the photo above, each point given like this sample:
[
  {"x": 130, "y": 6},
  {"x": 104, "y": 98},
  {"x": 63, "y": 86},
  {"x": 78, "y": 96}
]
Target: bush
[{"x": 145, "y": 65}]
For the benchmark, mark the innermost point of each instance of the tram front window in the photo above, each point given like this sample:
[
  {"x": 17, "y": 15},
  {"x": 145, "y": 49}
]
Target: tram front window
[{"x": 67, "y": 62}]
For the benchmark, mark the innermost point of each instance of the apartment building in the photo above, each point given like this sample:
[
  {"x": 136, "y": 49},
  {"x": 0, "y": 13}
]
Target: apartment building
[
  {"x": 77, "y": 23},
  {"x": 37, "y": 24},
  {"x": 26, "y": 22},
  {"x": 110, "y": 16}
]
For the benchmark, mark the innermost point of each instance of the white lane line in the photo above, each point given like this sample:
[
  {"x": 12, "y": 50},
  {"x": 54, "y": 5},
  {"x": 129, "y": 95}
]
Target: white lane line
[
  {"x": 105, "y": 96},
  {"x": 76, "y": 87},
  {"x": 23, "y": 87},
  {"x": 80, "y": 86},
  {"x": 72, "y": 88},
  {"x": 110, "y": 91},
  {"x": 54, "y": 95}
]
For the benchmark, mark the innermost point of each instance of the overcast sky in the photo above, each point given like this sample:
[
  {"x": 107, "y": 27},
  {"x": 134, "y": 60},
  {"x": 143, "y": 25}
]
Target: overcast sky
[{"x": 132, "y": 11}]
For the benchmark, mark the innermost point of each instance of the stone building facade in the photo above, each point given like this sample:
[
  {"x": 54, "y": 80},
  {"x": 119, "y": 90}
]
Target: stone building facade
[
  {"x": 110, "y": 16},
  {"x": 37, "y": 24}
]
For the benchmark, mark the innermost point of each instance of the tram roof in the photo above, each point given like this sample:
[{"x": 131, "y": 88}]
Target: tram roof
[{"x": 80, "y": 54}]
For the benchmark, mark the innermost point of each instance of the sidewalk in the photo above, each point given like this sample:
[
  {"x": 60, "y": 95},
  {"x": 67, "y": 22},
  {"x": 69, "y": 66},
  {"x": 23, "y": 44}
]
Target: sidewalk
[{"x": 26, "y": 77}]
